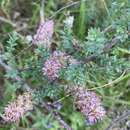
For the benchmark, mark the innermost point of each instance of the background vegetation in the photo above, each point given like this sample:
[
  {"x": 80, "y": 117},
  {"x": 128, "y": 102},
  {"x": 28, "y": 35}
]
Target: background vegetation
[{"x": 99, "y": 38}]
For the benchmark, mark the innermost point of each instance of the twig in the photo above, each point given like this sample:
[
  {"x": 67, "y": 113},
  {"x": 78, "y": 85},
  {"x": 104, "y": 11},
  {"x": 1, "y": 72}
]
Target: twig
[
  {"x": 56, "y": 116},
  {"x": 62, "y": 122},
  {"x": 21, "y": 128},
  {"x": 67, "y": 6},
  {"x": 7, "y": 21},
  {"x": 107, "y": 10},
  {"x": 118, "y": 120},
  {"x": 42, "y": 11},
  {"x": 17, "y": 78},
  {"x": 112, "y": 82},
  {"x": 106, "y": 49},
  {"x": 93, "y": 57},
  {"x": 24, "y": 50},
  {"x": 107, "y": 29},
  {"x": 110, "y": 44}
]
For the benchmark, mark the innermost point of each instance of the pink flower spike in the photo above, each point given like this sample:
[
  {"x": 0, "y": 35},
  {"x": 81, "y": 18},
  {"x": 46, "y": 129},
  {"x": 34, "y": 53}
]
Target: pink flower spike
[
  {"x": 15, "y": 110},
  {"x": 89, "y": 104},
  {"x": 57, "y": 61},
  {"x": 44, "y": 33}
]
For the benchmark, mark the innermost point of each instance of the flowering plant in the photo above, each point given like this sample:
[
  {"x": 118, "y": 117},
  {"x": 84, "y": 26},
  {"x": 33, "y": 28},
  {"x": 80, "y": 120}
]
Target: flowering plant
[{"x": 68, "y": 71}]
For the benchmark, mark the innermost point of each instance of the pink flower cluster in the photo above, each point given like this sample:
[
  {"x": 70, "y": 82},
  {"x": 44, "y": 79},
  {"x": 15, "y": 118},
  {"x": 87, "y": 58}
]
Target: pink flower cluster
[
  {"x": 52, "y": 67},
  {"x": 89, "y": 104},
  {"x": 55, "y": 63},
  {"x": 15, "y": 110},
  {"x": 44, "y": 33}
]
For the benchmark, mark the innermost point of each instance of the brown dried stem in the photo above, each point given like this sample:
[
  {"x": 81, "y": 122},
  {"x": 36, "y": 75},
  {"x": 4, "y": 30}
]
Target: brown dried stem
[
  {"x": 118, "y": 120},
  {"x": 106, "y": 49},
  {"x": 57, "y": 116}
]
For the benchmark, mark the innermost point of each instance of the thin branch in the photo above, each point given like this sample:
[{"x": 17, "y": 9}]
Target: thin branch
[
  {"x": 24, "y": 50},
  {"x": 107, "y": 29},
  {"x": 107, "y": 10},
  {"x": 118, "y": 120},
  {"x": 67, "y": 6},
  {"x": 17, "y": 78},
  {"x": 42, "y": 11},
  {"x": 56, "y": 116},
  {"x": 112, "y": 82},
  {"x": 7, "y": 21},
  {"x": 106, "y": 49},
  {"x": 21, "y": 128},
  {"x": 110, "y": 44}
]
